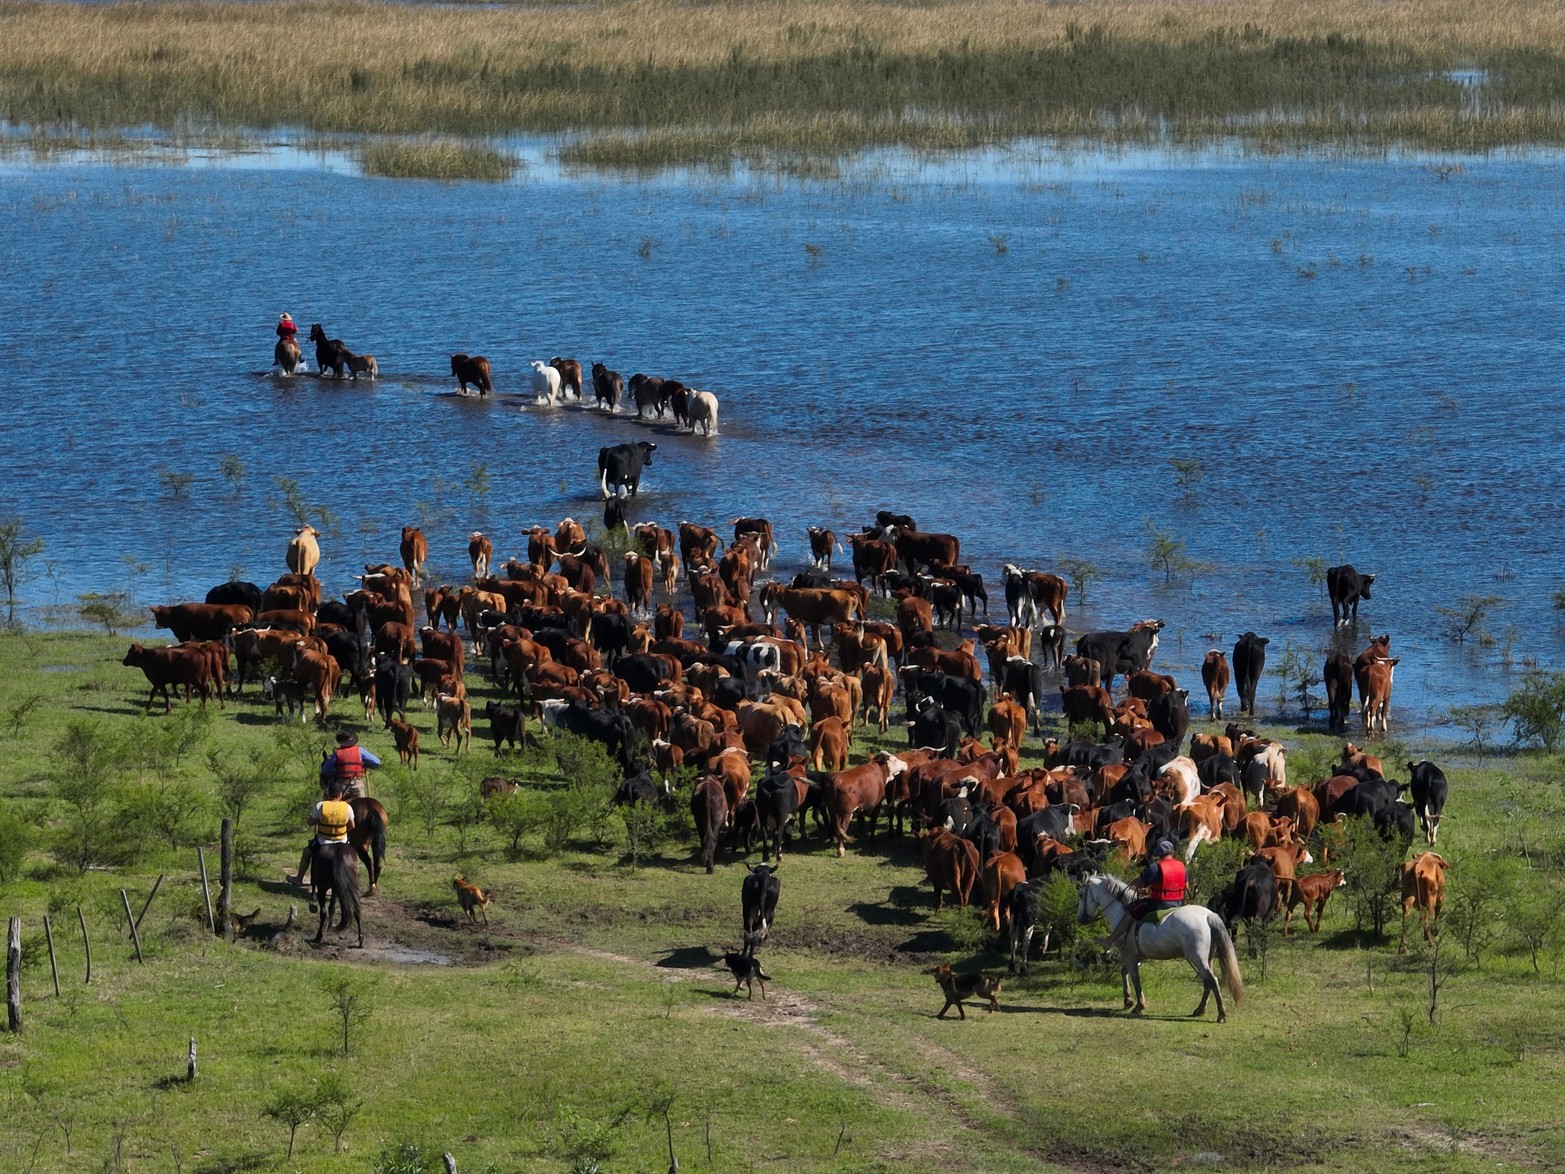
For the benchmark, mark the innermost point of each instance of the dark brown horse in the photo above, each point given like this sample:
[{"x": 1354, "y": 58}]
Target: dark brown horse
[
  {"x": 330, "y": 353},
  {"x": 287, "y": 355},
  {"x": 334, "y": 878},
  {"x": 368, "y": 836},
  {"x": 472, "y": 369}
]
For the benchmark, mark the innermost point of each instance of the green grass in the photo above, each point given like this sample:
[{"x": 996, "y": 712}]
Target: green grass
[
  {"x": 592, "y": 997},
  {"x": 436, "y": 160}
]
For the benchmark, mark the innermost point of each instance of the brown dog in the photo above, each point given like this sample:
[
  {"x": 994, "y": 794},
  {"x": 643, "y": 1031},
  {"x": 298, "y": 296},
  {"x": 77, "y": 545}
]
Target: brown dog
[
  {"x": 958, "y": 987},
  {"x": 406, "y": 738},
  {"x": 472, "y": 898}
]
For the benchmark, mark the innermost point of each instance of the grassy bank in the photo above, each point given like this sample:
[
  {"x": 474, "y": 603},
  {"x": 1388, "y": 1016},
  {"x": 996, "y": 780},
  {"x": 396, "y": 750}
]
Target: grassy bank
[
  {"x": 436, "y": 160},
  {"x": 564, "y": 1027},
  {"x": 801, "y": 76}
]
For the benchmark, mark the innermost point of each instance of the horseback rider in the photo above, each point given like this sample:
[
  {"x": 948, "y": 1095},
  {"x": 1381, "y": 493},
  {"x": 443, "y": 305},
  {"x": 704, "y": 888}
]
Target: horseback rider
[
  {"x": 286, "y": 330},
  {"x": 1162, "y": 882},
  {"x": 333, "y": 818},
  {"x": 346, "y": 764}
]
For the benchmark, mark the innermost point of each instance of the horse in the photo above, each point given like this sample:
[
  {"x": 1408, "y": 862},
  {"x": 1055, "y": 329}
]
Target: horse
[
  {"x": 368, "y": 836},
  {"x": 330, "y": 353},
  {"x": 334, "y": 877},
  {"x": 287, "y": 355},
  {"x": 1191, "y": 930}
]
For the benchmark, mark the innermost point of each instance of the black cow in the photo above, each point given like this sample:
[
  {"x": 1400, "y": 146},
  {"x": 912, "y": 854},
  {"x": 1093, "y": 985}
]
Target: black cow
[
  {"x": 1394, "y": 822},
  {"x": 612, "y": 731},
  {"x": 886, "y": 520},
  {"x": 1251, "y": 895},
  {"x": 1249, "y": 660},
  {"x": 812, "y": 577},
  {"x": 1090, "y": 755},
  {"x": 984, "y": 834},
  {"x": 777, "y": 798},
  {"x": 352, "y": 655},
  {"x": 506, "y": 724},
  {"x": 954, "y": 814},
  {"x": 1430, "y": 791},
  {"x": 960, "y": 695},
  {"x": 1120, "y": 652},
  {"x": 930, "y": 725},
  {"x": 611, "y": 635},
  {"x": 1338, "y": 675},
  {"x": 788, "y": 746},
  {"x": 621, "y": 465},
  {"x": 1023, "y": 910},
  {"x": 236, "y": 591},
  {"x": 1052, "y": 821},
  {"x": 645, "y": 672},
  {"x": 1169, "y": 716},
  {"x": 614, "y": 515},
  {"x": 1023, "y": 680},
  {"x": 607, "y": 387},
  {"x": 1219, "y": 768},
  {"x": 393, "y": 688},
  {"x": 638, "y": 788},
  {"x": 1051, "y": 644},
  {"x": 758, "y": 894},
  {"x": 1373, "y": 797},
  {"x": 1346, "y": 587}
]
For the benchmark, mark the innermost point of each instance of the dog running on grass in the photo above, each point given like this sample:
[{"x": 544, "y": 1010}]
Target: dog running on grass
[
  {"x": 958, "y": 987},
  {"x": 747, "y": 969},
  {"x": 472, "y": 898}
]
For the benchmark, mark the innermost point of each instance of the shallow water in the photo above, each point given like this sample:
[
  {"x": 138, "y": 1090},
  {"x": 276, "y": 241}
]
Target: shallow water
[{"x": 1008, "y": 345}]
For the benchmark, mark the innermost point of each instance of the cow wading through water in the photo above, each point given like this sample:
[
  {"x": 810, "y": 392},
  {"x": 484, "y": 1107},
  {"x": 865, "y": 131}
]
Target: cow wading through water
[{"x": 621, "y": 465}]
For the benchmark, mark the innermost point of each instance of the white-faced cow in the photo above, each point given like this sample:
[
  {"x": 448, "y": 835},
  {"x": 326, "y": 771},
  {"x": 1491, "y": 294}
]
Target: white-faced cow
[
  {"x": 1249, "y": 660},
  {"x": 621, "y": 465},
  {"x": 1346, "y": 587}
]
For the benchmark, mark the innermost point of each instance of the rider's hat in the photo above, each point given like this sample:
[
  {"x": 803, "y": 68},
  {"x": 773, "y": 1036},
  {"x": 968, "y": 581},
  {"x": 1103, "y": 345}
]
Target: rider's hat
[
  {"x": 1164, "y": 848},
  {"x": 284, "y": 318},
  {"x": 349, "y": 738}
]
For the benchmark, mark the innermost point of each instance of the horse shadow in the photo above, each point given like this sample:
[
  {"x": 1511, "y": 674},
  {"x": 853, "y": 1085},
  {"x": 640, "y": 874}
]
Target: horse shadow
[{"x": 689, "y": 958}]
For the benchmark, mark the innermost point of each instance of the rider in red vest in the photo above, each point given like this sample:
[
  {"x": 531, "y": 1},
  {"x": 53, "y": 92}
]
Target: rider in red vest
[
  {"x": 1163, "y": 884},
  {"x": 286, "y": 330}
]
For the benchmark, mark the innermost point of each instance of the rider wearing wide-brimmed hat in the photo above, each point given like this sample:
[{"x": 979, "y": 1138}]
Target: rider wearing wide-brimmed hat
[
  {"x": 286, "y": 330},
  {"x": 347, "y": 764},
  {"x": 1163, "y": 886}
]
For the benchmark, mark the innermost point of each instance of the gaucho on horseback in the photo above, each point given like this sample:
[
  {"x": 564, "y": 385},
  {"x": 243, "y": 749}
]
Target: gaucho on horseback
[
  {"x": 1163, "y": 886},
  {"x": 347, "y": 764},
  {"x": 333, "y": 818}
]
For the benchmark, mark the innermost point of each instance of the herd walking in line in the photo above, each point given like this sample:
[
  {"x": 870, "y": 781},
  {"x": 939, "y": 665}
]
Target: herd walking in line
[{"x": 761, "y": 686}]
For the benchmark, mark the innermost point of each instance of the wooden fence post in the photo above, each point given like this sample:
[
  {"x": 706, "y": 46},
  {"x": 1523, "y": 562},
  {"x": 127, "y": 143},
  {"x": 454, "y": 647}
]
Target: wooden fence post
[
  {"x": 131, "y": 919},
  {"x": 54, "y": 969},
  {"x": 225, "y": 882},
  {"x": 86, "y": 945},
  {"x": 190, "y": 1064},
  {"x": 206, "y": 890},
  {"x": 450, "y": 1162},
  {"x": 13, "y": 975},
  {"x": 157, "y": 884}
]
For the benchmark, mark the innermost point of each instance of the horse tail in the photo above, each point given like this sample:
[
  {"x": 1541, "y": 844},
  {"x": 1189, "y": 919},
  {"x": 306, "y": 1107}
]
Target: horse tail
[
  {"x": 1223, "y": 943},
  {"x": 345, "y": 882}
]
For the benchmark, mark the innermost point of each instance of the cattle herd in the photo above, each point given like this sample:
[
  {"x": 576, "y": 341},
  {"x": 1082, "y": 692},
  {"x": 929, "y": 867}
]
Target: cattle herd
[{"x": 759, "y": 687}]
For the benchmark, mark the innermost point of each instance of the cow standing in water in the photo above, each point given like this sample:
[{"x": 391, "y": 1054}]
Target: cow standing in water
[
  {"x": 1346, "y": 587},
  {"x": 1249, "y": 661}
]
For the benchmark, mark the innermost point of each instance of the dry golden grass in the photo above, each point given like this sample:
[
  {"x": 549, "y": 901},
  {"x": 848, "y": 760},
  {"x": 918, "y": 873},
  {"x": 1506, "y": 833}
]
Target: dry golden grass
[{"x": 776, "y": 73}]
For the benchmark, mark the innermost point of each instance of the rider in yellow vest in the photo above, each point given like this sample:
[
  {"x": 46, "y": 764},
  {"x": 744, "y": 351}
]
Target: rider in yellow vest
[
  {"x": 333, "y": 817},
  {"x": 1163, "y": 884}
]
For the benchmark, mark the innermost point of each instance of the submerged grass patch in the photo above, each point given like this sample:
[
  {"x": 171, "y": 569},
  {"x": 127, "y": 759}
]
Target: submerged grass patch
[
  {"x": 444, "y": 159},
  {"x": 665, "y": 82}
]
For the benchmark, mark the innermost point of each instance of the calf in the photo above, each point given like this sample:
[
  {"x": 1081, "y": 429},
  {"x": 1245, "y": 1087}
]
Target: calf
[
  {"x": 1423, "y": 887},
  {"x": 1429, "y": 790},
  {"x": 453, "y": 718},
  {"x": 1312, "y": 892},
  {"x": 406, "y": 738},
  {"x": 508, "y": 724},
  {"x": 951, "y": 863},
  {"x": 1214, "y": 675}
]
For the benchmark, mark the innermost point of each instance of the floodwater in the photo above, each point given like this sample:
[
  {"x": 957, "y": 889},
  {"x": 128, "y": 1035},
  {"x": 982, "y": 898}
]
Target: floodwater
[{"x": 1362, "y": 355}]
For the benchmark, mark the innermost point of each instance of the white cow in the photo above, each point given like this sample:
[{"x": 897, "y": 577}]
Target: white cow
[{"x": 546, "y": 384}]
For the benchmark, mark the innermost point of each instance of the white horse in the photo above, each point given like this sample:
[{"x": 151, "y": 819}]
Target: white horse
[
  {"x": 1191, "y": 930},
  {"x": 703, "y": 412},
  {"x": 546, "y": 384}
]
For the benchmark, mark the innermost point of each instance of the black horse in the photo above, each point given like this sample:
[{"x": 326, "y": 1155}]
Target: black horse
[
  {"x": 334, "y": 877},
  {"x": 330, "y": 353}
]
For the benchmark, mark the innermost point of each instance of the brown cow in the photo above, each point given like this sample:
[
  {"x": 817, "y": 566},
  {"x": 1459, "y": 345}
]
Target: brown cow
[
  {"x": 873, "y": 559},
  {"x": 1129, "y": 836},
  {"x": 828, "y": 745},
  {"x": 915, "y": 548},
  {"x": 1299, "y": 805},
  {"x": 1087, "y": 703},
  {"x": 1008, "y": 719},
  {"x": 406, "y": 738},
  {"x": 638, "y": 583},
  {"x": 860, "y": 789},
  {"x": 415, "y": 552},
  {"x": 1082, "y": 670},
  {"x": 201, "y": 621},
  {"x": 1214, "y": 675},
  {"x": 481, "y": 551},
  {"x": 709, "y": 806},
  {"x": 879, "y": 688},
  {"x": 951, "y": 863},
  {"x": 1312, "y": 892},
  {"x": 1001, "y": 873},
  {"x": 189, "y": 667},
  {"x": 813, "y": 606},
  {"x": 453, "y": 717},
  {"x": 697, "y": 545},
  {"x": 1374, "y": 684},
  {"x": 761, "y": 529},
  {"x": 822, "y": 542},
  {"x": 1284, "y": 861},
  {"x": 1423, "y": 887}
]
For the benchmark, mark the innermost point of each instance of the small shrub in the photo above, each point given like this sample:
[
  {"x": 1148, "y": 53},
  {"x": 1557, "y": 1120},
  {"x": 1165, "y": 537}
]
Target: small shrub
[
  {"x": 1373, "y": 870},
  {"x": 439, "y": 159},
  {"x": 17, "y": 837},
  {"x": 404, "y": 1157},
  {"x": 1536, "y": 709}
]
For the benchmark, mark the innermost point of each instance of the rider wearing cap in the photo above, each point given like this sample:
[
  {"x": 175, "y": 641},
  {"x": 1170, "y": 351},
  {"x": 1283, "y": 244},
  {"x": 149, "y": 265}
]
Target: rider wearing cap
[
  {"x": 1163, "y": 883},
  {"x": 347, "y": 763},
  {"x": 333, "y": 817}
]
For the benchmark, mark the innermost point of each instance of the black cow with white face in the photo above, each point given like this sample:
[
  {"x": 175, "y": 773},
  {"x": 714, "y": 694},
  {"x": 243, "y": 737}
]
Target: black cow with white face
[
  {"x": 959, "y": 695},
  {"x": 929, "y": 725},
  {"x": 1346, "y": 587},
  {"x": 1249, "y": 660},
  {"x": 621, "y": 465},
  {"x": 1429, "y": 793}
]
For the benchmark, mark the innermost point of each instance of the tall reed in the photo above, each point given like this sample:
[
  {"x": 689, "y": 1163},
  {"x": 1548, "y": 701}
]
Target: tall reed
[{"x": 666, "y": 80}]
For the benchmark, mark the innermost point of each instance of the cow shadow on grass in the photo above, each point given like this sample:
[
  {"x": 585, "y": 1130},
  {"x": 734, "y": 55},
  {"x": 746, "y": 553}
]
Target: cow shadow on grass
[
  {"x": 903, "y": 906},
  {"x": 121, "y": 710}
]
